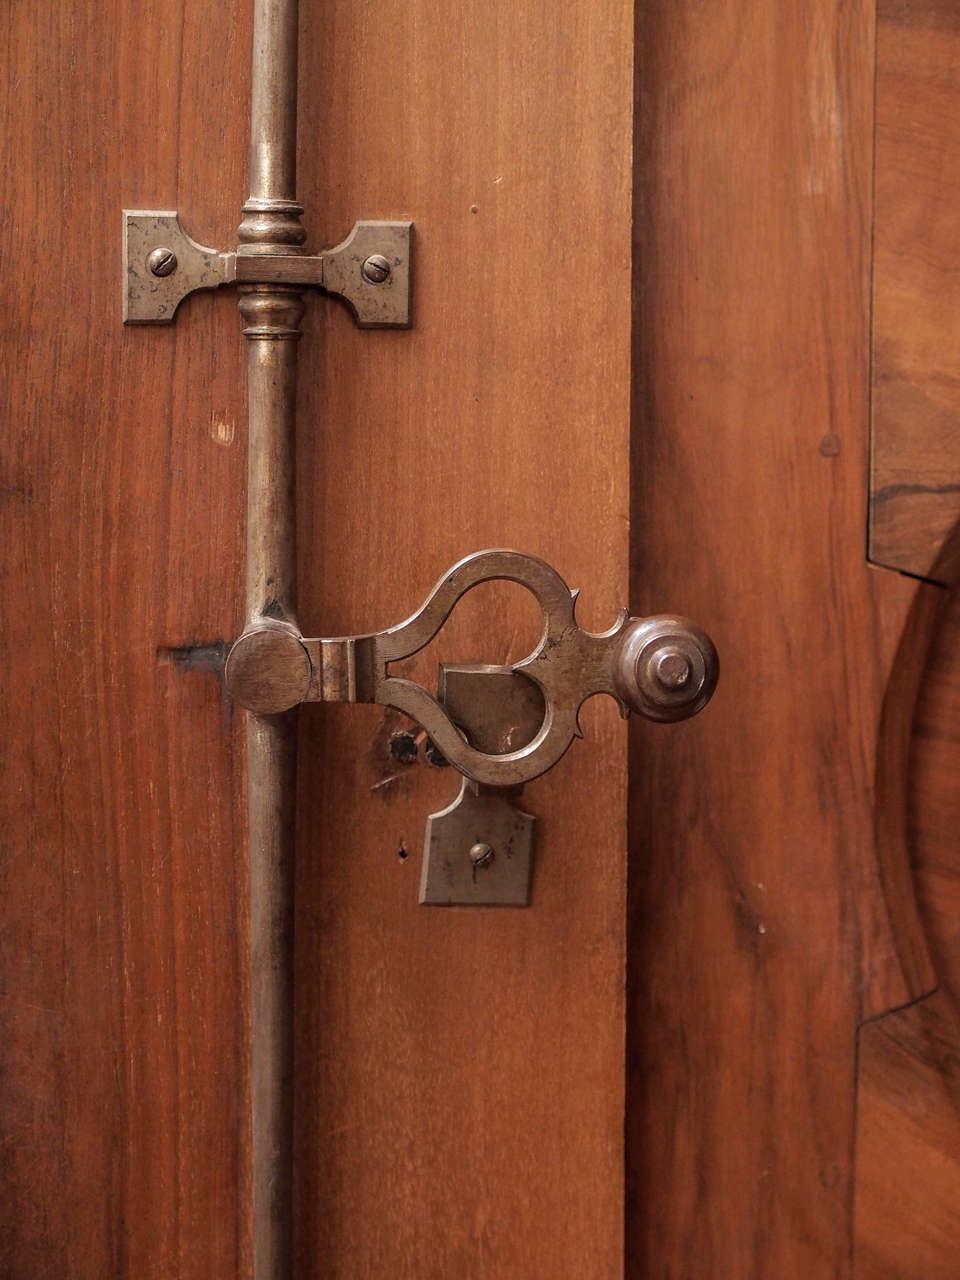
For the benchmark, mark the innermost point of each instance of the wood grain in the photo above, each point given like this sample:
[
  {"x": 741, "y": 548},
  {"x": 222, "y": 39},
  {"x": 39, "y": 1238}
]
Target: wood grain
[
  {"x": 460, "y": 1096},
  {"x": 459, "y": 1105},
  {"x": 460, "y": 1074},
  {"x": 908, "y": 1107},
  {"x": 758, "y": 930},
  {"x": 934, "y": 798},
  {"x": 915, "y": 478},
  {"x": 123, "y": 948},
  {"x": 908, "y": 1139}
]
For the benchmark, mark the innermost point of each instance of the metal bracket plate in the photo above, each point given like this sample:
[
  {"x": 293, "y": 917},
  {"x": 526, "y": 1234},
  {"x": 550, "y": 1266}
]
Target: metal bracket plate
[
  {"x": 162, "y": 265},
  {"x": 376, "y": 304},
  {"x": 478, "y": 851},
  {"x": 151, "y": 298}
]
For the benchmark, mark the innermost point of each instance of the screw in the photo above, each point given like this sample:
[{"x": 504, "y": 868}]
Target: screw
[
  {"x": 162, "y": 261},
  {"x": 376, "y": 269},
  {"x": 673, "y": 669},
  {"x": 403, "y": 747},
  {"x": 481, "y": 855}
]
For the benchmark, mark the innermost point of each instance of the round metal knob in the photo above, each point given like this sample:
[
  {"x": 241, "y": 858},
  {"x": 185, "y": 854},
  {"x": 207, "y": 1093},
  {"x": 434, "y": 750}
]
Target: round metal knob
[{"x": 666, "y": 668}]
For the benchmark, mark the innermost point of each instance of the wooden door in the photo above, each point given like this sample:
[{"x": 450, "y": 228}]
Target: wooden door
[{"x": 641, "y": 350}]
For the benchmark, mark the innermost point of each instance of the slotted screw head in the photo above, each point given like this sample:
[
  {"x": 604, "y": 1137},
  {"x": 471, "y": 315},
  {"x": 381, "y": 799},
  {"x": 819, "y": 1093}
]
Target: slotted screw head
[
  {"x": 162, "y": 261},
  {"x": 375, "y": 269},
  {"x": 481, "y": 854}
]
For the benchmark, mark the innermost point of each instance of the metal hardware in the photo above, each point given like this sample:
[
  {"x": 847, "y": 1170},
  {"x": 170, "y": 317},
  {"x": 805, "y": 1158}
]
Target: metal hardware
[
  {"x": 377, "y": 304},
  {"x": 369, "y": 270},
  {"x": 478, "y": 851},
  {"x": 375, "y": 269},
  {"x": 404, "y": 747},
  {"x": 152, "y": 298},
  {"x": 479, "y": 848},
  {"x": 162, "y": 261},
  {"x": 272, "y": 668},
  {"x": 662, "y": 667},
  {"x": 673, "y": 669},
  {"x": 271, "y": 316},
  {"x": 496, "y": 709}
]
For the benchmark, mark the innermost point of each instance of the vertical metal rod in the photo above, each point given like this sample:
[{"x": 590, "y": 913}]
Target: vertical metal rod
[
  {"x": 273, "y": 112},
  {"x": 272, "y": 315}
]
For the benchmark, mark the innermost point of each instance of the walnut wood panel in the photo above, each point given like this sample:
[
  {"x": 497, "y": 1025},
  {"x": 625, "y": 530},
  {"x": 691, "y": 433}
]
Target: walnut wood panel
[
  {"x": 908, "y": 1139},
  {"x": 460, "y": 1081},
  {"x": 908, "y": 1106},
  {"x": 934, "y": 796},
  {"x": 759, "y": 933},
  {"x": 915, "y": 482},
  {"x": 122, "y": 1071},
  {"x": 460, "y": 1075},
  {"x": 459, "y": 1097}
]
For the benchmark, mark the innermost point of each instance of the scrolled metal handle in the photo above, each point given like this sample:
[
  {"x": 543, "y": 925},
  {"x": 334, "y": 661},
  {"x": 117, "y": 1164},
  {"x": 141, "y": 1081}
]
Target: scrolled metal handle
[{"x": 663, "y": 667}]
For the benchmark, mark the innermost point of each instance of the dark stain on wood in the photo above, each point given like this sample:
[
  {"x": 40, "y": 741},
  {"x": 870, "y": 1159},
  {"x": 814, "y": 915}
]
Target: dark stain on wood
[{"x": 198, "y": 657}]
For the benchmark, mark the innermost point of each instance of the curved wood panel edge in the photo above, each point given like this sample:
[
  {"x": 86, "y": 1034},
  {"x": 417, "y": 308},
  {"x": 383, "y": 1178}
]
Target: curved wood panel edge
[
  {"x": 907, "y": 1161},
  {"x": 907, "y": 1133},
  {"x": 892, "y": 785}
]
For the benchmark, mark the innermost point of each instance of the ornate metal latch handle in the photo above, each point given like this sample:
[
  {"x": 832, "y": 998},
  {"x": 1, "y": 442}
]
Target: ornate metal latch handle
[{"x": 663, "y": 667}]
